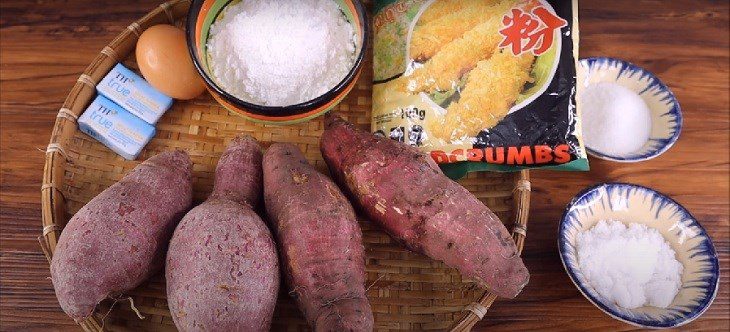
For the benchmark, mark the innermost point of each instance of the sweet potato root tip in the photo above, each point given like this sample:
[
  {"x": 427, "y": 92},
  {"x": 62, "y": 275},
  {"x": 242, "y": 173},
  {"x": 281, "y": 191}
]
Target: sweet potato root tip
[
  {"x": 238, "y": 174},
  {"x": 331, "y": 119},
  {"x": 346, "y": 315}
]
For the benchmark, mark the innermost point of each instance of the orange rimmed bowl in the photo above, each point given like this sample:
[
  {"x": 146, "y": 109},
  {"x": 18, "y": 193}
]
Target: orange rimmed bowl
[{"x": 203, "y": 13}]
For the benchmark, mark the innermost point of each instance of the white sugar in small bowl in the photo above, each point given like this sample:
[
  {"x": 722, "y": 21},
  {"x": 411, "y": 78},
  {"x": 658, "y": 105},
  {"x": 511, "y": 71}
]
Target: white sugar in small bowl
[
  {"x": 636, "y": 204},
  {"x": 665, "y": 113}
]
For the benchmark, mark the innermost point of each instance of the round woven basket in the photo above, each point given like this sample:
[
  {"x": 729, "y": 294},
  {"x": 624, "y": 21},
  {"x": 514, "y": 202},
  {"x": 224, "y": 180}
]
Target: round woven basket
[{"x": 407, "y": 291}]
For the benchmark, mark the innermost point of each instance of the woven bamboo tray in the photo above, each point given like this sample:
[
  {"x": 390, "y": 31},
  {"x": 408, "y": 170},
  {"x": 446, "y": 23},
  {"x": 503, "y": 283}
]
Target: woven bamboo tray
[{"x": 407, "y": 291}]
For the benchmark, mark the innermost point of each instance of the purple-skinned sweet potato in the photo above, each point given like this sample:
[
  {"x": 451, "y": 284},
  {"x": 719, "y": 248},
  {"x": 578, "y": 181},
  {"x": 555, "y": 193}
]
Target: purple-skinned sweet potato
[
  {"x": 222, "y": 267},
  {"x": 319, "y": 240},
  {"x": 405, "y": 192},
  {"x": 119, "y": 239}
]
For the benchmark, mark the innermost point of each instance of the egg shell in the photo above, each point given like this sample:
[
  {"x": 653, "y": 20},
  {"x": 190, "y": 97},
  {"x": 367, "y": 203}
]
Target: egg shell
[{"x": 165, "y": 62}]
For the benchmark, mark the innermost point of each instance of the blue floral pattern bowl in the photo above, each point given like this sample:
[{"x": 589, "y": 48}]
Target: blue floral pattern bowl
[
  {"x": 666, "y": 115},
  {"x": 636, "y": 204}
]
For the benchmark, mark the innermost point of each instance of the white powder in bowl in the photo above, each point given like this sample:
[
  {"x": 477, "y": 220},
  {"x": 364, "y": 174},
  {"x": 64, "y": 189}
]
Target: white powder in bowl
[
  {"x": 616, "y": 121},
  {"x": 281, "y": 52},
  {"x": 631, "y": 266}
]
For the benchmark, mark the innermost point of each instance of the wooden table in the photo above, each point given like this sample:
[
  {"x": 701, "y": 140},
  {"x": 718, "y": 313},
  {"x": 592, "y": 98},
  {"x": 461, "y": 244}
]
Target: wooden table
[{"x": 46, "y": 44}]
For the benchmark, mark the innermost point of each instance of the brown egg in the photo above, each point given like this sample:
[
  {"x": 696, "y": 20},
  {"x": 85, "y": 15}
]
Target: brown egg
[{"x": 163, "y": 59}]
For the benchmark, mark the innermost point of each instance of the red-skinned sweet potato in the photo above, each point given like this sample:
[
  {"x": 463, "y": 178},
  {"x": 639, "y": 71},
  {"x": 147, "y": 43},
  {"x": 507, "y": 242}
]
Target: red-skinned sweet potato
[
  {"x": 405, "y": 192},
  {"x": 119, "y": 239},
  {"x": 319, "y": 240},
  {"x": 222, "y": 267}
]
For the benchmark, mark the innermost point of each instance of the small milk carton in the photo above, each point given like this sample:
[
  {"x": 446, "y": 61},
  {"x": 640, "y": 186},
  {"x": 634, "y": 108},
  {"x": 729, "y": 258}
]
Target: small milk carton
[
  {"x": 132, "y": 92},
  {"x": 116, "y": 128}
]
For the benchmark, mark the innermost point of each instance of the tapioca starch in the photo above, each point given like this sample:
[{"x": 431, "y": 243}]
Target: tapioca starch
[{"x": 281, "y": 52}]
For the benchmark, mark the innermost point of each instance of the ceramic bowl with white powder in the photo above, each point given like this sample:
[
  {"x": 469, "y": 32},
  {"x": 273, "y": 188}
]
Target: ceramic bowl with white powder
[
  {"x": 278, "y": 61},
  {"x": 627, "y": 114},
  {"x": 638, "y": 255}
]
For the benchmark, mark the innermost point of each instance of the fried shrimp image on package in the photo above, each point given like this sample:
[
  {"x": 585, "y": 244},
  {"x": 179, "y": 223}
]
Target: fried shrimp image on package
[{"x": 479, "y": 84}]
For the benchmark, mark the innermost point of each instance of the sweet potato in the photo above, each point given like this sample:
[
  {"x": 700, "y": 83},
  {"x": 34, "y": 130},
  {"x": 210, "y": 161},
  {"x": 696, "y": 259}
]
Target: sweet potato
[
  {"x": 119, "y": 238},
  {"x": 405, "y": 192},
  {"x": 222, "y": 268},
  {"x": 319, "y": 240}
]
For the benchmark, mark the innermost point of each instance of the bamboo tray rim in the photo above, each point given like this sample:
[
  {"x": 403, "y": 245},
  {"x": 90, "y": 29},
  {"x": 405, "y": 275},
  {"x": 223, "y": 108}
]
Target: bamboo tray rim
[{"x": 53, "y": 201}]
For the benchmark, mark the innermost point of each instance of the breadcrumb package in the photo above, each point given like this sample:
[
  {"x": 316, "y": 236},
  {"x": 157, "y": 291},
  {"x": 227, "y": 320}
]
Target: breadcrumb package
[{"x": 480, "y": 84}]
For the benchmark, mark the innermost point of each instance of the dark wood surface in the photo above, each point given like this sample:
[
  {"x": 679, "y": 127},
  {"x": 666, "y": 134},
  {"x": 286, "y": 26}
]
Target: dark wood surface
[{"x": 44, "y": 45}]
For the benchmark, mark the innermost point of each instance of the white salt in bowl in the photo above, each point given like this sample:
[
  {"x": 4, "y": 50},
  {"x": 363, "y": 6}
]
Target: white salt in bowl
[
  {"x": 636, "y": 204},
  {"x": 666, "y": 115}
]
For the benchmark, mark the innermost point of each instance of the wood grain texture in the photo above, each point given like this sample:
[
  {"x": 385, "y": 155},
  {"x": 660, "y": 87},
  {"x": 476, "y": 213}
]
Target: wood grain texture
[{"x": 44, "y": 45}]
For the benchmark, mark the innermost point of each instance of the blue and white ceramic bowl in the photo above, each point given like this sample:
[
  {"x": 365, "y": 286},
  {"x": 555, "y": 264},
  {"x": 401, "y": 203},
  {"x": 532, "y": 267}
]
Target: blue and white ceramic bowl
[
  {"x": 631, "y": 203},
  {"x": 666, "y": 114}
]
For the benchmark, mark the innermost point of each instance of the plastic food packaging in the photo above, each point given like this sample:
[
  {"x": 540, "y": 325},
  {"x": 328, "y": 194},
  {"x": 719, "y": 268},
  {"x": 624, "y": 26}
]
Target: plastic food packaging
[{"x": 480, "y": 85}]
